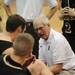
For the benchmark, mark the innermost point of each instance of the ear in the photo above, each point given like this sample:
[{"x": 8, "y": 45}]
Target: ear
[
  {"x": 19, "y": 29},
  {"x": 24, "y": 29}
]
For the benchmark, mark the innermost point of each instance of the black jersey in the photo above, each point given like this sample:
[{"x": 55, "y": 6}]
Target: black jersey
[
  {"x": 4, "y": 45},
  {"x": 68, "y": 28},
  {"x": 9, "y": 67},
  {"x": 69, "y": 24},
  {"x": 70, "y": 3}
]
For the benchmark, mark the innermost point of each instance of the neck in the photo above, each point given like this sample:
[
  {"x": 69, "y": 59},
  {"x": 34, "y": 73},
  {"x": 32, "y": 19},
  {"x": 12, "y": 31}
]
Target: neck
[
  {"x": 11, "y": 35},
  {"x": 18, "y": 59}
]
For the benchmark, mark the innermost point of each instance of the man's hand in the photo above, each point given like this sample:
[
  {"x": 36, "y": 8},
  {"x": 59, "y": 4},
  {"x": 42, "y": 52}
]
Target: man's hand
[
  {"x": 67, "y": 12},
  {"x": 29, "y": 60}
]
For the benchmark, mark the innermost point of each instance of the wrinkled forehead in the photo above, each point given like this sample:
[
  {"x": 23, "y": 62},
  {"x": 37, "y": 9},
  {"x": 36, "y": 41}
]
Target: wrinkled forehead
[
  {"x": 40, "y": 21},
  {"x": 38, "y": 24}
]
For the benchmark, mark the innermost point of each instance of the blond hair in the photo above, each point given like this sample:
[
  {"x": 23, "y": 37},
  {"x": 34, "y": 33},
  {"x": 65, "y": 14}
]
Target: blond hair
[{"x": 23, "y": 38}]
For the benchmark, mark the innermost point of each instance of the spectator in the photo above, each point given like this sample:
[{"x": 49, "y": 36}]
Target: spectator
[{"x": 68, "y": 16}]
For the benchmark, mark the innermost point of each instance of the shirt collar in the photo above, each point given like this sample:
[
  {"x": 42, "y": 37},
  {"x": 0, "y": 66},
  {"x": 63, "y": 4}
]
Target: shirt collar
[{"x": 50, "y": 36}]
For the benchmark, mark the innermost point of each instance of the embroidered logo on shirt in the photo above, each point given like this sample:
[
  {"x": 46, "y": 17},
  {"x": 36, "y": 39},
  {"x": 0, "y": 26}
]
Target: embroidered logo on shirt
[
  {"x": 48, "y": 47},
  {"x": 41, "y": 46}
]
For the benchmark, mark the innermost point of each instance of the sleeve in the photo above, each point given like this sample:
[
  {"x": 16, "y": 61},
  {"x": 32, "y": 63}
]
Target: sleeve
[
  {"x": 52, "y": 3},
  {"x": 62, "y": 51},
  {"x": 8, "y": 2}
]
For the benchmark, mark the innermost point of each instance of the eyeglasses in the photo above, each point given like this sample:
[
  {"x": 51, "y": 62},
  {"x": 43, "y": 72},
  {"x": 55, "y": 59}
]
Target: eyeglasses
[{"x": 40, "y": 28}]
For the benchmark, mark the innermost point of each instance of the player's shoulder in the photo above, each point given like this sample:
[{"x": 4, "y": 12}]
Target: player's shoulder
[
  {"x": 39, "y": 62},
  {"x": 1, "y": 60}
]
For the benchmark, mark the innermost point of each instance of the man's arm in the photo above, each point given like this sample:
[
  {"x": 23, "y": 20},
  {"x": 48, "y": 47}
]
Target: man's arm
[
  {"x": 7, "y": 6},
  {"x": 8, "y": 10},
  {"x": 45, "y": 70},
  {"x": 56, "y": 68},
  {"x": 52, "y": 12},
  {"x": 53, "y": 8},
  {"x": 39, "y": 68}
]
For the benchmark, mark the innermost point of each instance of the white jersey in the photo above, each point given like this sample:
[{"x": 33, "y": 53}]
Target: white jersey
[
  {"x": 30, "y": 9},
  {"x": 56, "y": 50},
  {"x": 33, "y": 8},
  {"x": 19, "y": 5}
]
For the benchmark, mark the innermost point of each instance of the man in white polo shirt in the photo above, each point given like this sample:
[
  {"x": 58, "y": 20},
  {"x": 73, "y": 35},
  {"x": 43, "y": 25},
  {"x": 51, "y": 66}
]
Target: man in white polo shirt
[
  {"x": 30, "y": 9},
  {"x": 54, "y": 49}
]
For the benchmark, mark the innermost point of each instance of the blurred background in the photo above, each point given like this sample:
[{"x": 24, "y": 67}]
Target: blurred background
[{"x": 55, "y": 22}]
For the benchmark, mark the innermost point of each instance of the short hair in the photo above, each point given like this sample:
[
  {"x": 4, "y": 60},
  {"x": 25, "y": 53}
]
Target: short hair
[
  {"x": 42, "y": 19},
  {"x": 13, "y": 22},
  {"x": 23, "y": 38}
]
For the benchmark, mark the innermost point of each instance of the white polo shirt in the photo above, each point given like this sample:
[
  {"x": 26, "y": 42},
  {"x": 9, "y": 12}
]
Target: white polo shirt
[
  {"x": 29, "y": 9},
  {"x": 56, "y": 50}
]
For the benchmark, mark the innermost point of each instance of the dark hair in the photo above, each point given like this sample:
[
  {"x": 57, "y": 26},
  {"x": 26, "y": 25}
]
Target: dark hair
[{"x": 13, "y": 22}]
